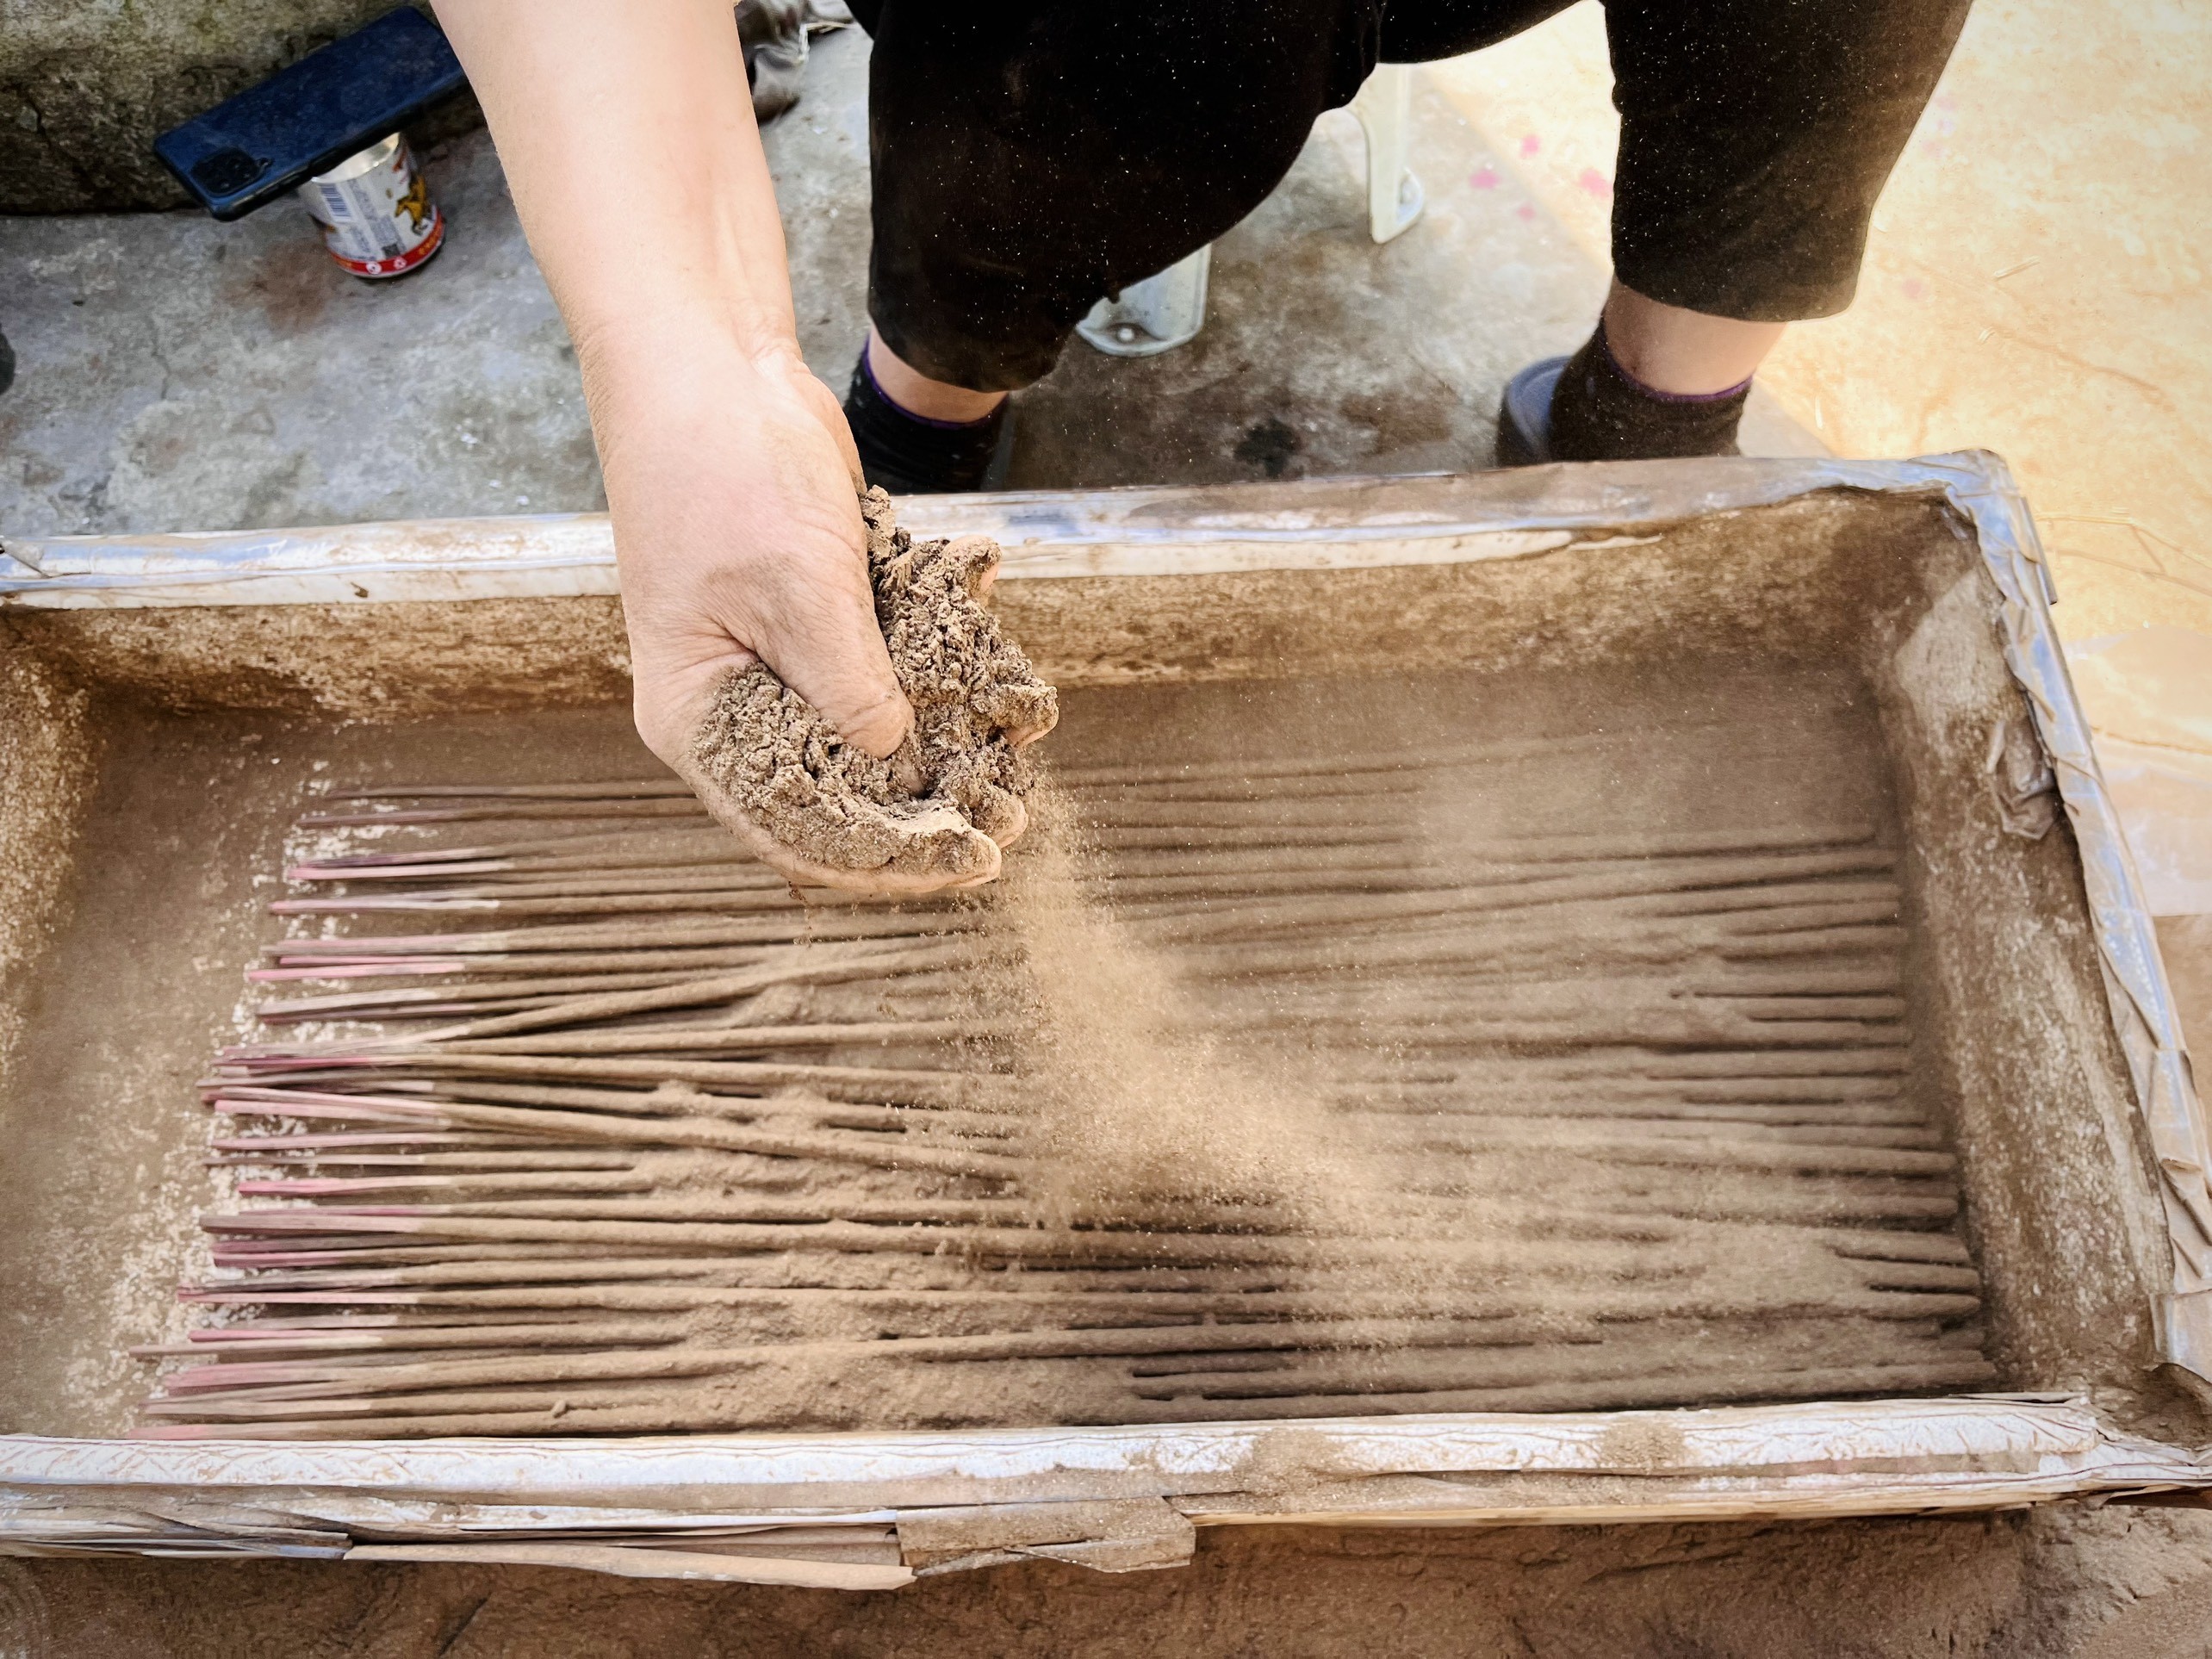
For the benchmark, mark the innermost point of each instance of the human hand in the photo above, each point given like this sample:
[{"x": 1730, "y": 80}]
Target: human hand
[
  {"x": 937, "y": 813},
  {"x": 729, "y": 468},
  {"x": 745, "y": 566},
  {"x": 732, "y": 487}
]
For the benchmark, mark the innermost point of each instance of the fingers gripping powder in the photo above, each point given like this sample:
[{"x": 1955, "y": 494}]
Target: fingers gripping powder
[{"x": 937, "y": 811}]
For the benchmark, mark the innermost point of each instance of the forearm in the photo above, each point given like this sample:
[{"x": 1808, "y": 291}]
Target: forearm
[
  {"x": 627, "y": 135},
  {"x": 626, "y": 131}
]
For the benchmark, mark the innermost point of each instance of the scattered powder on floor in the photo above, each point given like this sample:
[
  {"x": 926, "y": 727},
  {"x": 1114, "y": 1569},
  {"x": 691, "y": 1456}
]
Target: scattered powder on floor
[{"x": 935, "y": 812}]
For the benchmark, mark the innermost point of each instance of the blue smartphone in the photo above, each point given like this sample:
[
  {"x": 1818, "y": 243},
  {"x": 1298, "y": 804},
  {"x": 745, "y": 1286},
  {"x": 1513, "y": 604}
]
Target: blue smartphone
[{"x": 306, "y": 119}]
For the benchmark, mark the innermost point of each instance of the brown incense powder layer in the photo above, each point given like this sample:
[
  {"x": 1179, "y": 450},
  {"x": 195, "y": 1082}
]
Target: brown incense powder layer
[
  {"x": 937, "y": 813},
  {"x": 1471, "y": 1104}
]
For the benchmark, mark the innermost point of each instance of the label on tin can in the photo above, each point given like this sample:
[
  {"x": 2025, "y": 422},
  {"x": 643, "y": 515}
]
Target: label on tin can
[{"x": 375, "y": 212}]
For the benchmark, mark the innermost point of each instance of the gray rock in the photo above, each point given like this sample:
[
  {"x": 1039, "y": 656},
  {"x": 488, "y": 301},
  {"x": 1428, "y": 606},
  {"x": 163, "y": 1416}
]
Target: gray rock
[{"x": 86, "y": 84}]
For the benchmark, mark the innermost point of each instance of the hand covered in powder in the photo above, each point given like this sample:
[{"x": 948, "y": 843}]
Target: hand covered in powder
[
  {"x": 774, "y": 618},
  {"x": 732, "y": 480},
  {"x": 935, "y": 813}
]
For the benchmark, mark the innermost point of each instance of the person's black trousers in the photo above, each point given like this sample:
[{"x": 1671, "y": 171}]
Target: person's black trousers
[{"x": 1030, "y": 157}]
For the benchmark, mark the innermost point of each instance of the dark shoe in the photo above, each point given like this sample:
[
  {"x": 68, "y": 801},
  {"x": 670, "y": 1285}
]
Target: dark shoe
[
  {"x": 1587, "y": 408},
  {"x": 7, "y": 364},
  {"x": 911, "y": 454},
  {"x": 1525, "y": 414}
]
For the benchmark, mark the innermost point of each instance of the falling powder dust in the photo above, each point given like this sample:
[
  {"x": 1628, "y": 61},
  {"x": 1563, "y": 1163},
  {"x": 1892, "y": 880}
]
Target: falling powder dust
[{"x": 1142, "y": 1112}]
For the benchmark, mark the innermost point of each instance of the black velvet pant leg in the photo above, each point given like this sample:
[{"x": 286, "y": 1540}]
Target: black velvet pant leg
[
  {"x": 1029, "y": 157},
  {"x": 1756, "y": 136}
]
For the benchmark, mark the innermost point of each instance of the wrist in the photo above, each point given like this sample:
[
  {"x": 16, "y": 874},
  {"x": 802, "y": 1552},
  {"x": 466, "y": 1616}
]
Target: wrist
[
  {"x": 656, "y": 389},
  {"x": 652, "y": 344},
  {"x": 685, "y": 412}
]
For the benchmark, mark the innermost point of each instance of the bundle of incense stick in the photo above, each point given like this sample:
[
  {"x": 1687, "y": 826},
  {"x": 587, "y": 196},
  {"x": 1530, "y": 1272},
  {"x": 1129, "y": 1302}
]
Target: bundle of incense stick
[{"x": 579, "y": 1121}]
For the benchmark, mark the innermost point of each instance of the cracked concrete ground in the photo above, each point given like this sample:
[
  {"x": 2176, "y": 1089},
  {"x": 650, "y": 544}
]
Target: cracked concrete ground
[
  {"x": 180, "y": 375},
  {"x": 176, "y": 374}
]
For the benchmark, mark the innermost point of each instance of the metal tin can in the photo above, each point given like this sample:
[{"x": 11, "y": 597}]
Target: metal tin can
[{"x": 375, "y": 211}]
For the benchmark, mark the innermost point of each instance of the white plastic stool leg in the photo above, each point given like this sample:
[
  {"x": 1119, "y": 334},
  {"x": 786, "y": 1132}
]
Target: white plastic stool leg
[
  {"x": 1385, "y": 107},
  {"x": 1158, "y": 314}
]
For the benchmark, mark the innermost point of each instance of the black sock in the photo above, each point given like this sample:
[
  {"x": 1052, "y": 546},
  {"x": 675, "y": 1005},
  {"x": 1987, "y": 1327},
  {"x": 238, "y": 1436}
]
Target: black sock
[
  {"x": 1601, "y": 412},
  {"x": 911, "y": 454}
]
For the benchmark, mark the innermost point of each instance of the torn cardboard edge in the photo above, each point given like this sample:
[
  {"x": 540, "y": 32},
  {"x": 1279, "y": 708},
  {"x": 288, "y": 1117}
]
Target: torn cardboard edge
[
  {"x": 788, "y": 1509},
  {"x": 1306, "y": 525}
]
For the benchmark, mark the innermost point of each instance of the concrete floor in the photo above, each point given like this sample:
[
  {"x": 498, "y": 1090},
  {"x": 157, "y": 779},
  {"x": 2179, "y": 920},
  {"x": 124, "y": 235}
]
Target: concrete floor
[
  {"x": 174, "y": 374},
  {"x": 2037, "y": 259}
]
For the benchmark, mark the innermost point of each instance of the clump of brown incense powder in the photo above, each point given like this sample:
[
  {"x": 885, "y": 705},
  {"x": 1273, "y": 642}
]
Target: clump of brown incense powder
[{"x": 937, "y": 813}]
